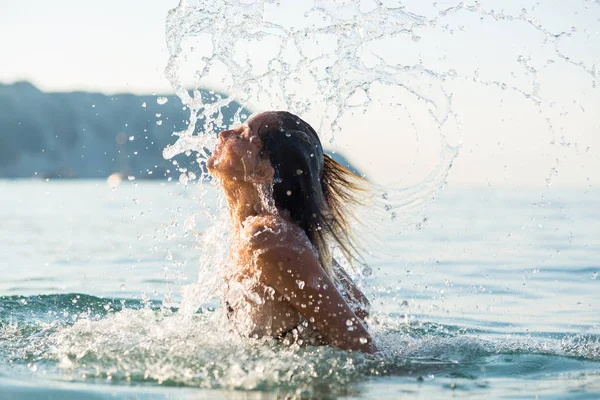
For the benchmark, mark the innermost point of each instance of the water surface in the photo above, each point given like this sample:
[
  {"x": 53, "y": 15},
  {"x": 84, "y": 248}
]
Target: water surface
[{"x": 497, "y": 295}]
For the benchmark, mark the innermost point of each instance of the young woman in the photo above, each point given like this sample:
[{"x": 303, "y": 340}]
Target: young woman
[{"x": 286, "y": 200}]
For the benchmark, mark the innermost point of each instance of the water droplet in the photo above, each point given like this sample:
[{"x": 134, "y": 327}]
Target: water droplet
[
  {"x": 144, "y": 105},
  {"x": 183, "y": 179},
  {"x": 363, "y": 340},
  {"x": 595, "y": 276},
  {"x": 162, "y": 100},
  {"x": 107, "y": 307},
  {"x": 289, "y": 192},
  {"x": 300, "y": 284},
  {"x": 131, "y": 138},
  {"x": 159, "y": 122},
  {"x": 287, "y": 134}
]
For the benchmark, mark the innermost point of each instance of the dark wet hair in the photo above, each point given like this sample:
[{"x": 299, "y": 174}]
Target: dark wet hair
[{"x": 315, "y": 190}]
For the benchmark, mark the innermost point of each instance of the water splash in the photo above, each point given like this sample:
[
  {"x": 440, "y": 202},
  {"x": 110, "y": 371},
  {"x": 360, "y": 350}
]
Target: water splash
[
  {"x": 424, "y": 66},
  {"x": 324, "y": 66},
  {"x": 327, "y": 60}
]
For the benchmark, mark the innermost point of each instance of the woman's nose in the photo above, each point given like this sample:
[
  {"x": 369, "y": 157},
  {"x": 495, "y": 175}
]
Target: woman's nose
[{"x": 225, "y": 134}]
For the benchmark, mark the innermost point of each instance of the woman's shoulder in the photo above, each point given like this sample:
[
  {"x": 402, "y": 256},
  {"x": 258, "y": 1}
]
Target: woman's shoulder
[{"x": 268, "y": 231}]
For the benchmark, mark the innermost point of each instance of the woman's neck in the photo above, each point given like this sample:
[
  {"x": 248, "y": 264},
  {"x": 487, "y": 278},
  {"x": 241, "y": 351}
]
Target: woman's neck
[{"x": 246, "y": 199}]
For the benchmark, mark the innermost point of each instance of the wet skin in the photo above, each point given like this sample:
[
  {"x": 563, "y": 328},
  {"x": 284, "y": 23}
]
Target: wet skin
[{"x": 269, "y": 249}]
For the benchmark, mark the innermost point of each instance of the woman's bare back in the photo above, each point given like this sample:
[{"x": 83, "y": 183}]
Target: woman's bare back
[{"x": 277, "y": 285}]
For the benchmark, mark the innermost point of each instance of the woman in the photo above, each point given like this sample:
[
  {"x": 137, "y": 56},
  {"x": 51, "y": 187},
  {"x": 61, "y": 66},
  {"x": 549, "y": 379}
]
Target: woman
[{"x": 286, "y": 199}]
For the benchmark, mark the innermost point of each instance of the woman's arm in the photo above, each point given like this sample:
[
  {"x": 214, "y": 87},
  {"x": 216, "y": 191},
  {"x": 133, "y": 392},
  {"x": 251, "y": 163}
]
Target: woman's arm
[{"x": 295, "y": 273}]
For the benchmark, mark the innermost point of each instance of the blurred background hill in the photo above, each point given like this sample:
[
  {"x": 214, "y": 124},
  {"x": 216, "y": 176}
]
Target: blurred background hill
[
  {"x": 87, "y": 135},
  {"x": 93, "y": 135}
]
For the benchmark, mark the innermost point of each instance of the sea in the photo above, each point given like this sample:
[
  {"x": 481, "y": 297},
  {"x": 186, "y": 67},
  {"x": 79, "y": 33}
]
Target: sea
[{"x": 107, "y": 292}]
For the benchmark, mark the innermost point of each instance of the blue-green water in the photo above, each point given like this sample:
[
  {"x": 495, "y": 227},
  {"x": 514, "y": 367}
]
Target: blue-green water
[{"x": 497, "y": 296}]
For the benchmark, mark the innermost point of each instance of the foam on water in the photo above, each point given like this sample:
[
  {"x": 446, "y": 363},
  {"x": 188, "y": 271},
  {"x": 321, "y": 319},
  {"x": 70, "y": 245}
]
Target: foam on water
[{"x": 143, "y": 342}]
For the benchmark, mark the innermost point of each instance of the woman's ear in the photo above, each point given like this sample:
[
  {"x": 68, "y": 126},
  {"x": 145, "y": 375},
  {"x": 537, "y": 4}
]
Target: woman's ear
[{"x": 263, "y": 172}]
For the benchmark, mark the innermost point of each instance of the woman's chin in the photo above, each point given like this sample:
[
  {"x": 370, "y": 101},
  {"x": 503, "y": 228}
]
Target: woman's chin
[
  {"x": 211, "y": 164},
  {"x": 215, "y": 169}
]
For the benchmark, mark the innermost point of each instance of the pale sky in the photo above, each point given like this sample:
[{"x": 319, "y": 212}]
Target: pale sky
[
  {"x": 107, "y": 46},
  {"x": 119, "y": 46}
]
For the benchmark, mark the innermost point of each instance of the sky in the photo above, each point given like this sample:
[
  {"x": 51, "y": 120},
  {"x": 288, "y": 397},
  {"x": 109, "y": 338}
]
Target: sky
[
  {"x": 107, "y": 46},
  {"x": 507, "y": 140}
]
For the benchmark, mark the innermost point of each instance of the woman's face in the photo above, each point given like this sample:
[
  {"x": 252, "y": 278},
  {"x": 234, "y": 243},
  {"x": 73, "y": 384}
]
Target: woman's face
[{"x": 237, "y": 155}]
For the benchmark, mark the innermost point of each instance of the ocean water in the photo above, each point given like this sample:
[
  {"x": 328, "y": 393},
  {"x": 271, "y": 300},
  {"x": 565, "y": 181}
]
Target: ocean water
[{"x": 496, "y": 295}]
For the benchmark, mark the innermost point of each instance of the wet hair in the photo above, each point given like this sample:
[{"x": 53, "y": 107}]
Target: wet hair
[{"x": 314, "y": 189}]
